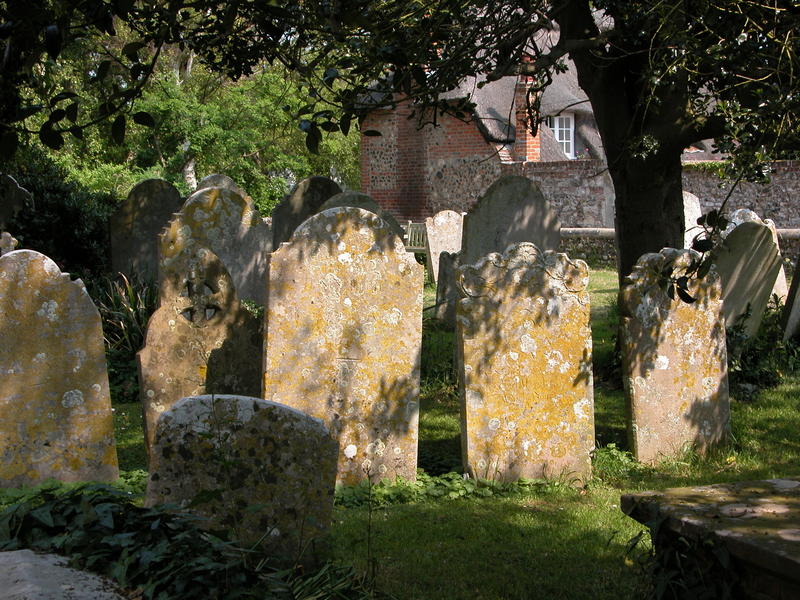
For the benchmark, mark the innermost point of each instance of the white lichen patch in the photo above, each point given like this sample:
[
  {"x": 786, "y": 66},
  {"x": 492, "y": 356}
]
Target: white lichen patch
[
  {"x": 345, "y": 258},
  {"x": 350, "y": 451},
  {"x": 662, "y": 363},
  {"x": 48, "y": 310},
  {"x": 40, "y": 358},
  {"x": 72, "y": 398}
]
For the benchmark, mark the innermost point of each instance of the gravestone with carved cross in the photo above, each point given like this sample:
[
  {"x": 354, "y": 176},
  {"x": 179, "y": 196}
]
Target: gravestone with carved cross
[{"x": 200, "y": 340}]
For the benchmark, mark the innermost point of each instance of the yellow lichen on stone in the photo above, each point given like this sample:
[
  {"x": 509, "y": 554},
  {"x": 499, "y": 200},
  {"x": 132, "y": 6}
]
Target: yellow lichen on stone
[
  {"x": 525, "y": 353},
  {"x": 54, "y": 394},
  {"x": 674, "y": 360},
  {"x": 343, "y": 333}
]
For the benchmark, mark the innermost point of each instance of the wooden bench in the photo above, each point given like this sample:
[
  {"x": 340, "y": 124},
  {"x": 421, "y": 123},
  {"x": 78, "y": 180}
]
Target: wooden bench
[{"x": 416, "y": 237}]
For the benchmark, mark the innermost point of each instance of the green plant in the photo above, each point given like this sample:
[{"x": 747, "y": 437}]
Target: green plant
[
  {"x": 157, "y": 551},
  {"x": 615, "y": 466}
]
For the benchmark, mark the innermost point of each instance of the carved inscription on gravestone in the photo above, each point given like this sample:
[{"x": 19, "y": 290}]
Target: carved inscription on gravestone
[
  {"x": 674, "y": 359},
  {"x": 135, "y": 226},
  {"x": 200, "y": 340},
  {"x": 304, "y": 200},
  {"x": 54, "y": 398},
  {"x": 443, "y": 234},
  {"x": 512, "y": 210},
  {"x": 230, "y": 226},
  {"x": 343, "y": 335},
  {"x": 265, "y": 472},
  {"x": 525, "y": 353}
]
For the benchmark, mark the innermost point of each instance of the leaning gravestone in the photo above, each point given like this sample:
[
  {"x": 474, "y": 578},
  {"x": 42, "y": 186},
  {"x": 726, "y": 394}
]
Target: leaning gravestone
[
  {"x": 136, "y": 224},
  {"x": 748, "y": 263},
  {"x": 442, "y": 234},
  {"x": 304, "y": 200},
  {"x": 691, "y": 212},
  {"x": 228, "y": 225},
  {"x": 525, "y": 354},
  {"x": 363, "y": 201},
  {"x": 262, "y": 470},
  {"x": 54, "y": 398},
  {"x": 674, "y": 359},
  {"x": 218, "y": 180},
  {"x": 512, "y": 210},
  {"x": 343, "y": 336},
  {"x": 199, "y": 341}
]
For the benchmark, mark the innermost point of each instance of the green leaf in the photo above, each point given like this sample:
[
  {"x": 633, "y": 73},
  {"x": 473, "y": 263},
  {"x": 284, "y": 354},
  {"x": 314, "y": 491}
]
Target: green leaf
[
  {"x": 371, "y": 133},
  {"x": 702, "y": 245},
  {"x": 684, "y": 295},
  {"x": 72, "y": 111},
  {"x": 118, "y": 130},
  {"x": 102, "y": 70},
  {"x": 671, "y": 291},
  {"x": 344, "y": 124},
  {"x": 42, "y": 514},
  {"x": 57, "y": 115},
  {"x": 76, "y": 132},
  {"x": 144, "y": 118},
  {"x": 51, "y": 138},
  {"x": 131, "y": 50},
  {"x": 52, "y": 41}
]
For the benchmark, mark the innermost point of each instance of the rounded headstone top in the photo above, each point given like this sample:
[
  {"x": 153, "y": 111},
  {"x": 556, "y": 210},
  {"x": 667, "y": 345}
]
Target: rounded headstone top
[
  {"x": 365, "y": 202},
  {"x": 218, "y": 180}
]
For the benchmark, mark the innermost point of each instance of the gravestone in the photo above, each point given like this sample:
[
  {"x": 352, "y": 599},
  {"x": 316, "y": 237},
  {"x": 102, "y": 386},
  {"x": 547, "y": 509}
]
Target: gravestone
[
  {"x": 363, "y": 201},
  {"x": 512, "y": 210},
  {"x": 674, "y": 360},
  {"x": 54, "y": 398},
  {"x": 790, "y": 317},
  {"x": 744, "y": 215},
  {"x": 447, "y": 292},
  {"x": 199, "y": 341},
  {"x": 13, "y": 199},
  {"x": 343, "y": 336},
  {"x": 304, "y": 200},
  {"x": 691, "y": 212},
  {"x": 230, "y": 226},
  {"x": 261, "y": 470},
  {"x": 135, "y": 226},
  {"x": 7, "y": 243},
  {"x": 218, "y": 180},
  {"x": 443, "y": 234},
  {"x": 525, "y": 356},
  {"x": 748, "y": 263}
]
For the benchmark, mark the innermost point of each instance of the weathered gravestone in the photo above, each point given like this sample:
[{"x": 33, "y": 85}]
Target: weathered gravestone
[
  {"x": 13, "y": 199},
  {"x": 199, "y": 341},
  {"x": 443, "y": 234},
  {"x": 674, "y": 359},
  {"x": 261, "y": 470},
  {"x": 343, "y": 335},
  {"x": 748, "y": 263},
  {"x": 135, "y": 226},
  {"x": 790, "y": 318},
  {"x": 304, "y": 200},
  {"x": 691, "y": 212},
  {"x": 363, "y": 201},
  {"x": 447, "y": 292},
  {"x": 231, "y": 227},
  {"x": 218, "y": 180},
  {"x": 54, "y": 399},
  {"x": 512, "y": 210},
  {"x": 525, "y": 354}
]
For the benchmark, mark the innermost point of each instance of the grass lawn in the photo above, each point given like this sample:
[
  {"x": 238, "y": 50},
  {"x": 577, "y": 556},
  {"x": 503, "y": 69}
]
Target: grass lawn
[{"x": 556, "y": 541}]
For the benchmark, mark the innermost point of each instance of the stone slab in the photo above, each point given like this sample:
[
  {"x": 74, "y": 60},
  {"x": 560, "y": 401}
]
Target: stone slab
[
  {"x": 303, "y": 201},
  {"x": 757, "y": 521},
  {"x": 343, "y": 336},
  {"x": 691, "y": 212},
  {"x": 512, "y": 210},
  {"x": 230, "y": 226},
  {"x": 261, "y": 470},
  {"x": 442, "y": 234},
  {"x": 54, "y": 394},
  {"x": 525, "y": 354},
  {"x": 219, "y": 180},
  {"x": 25, "y": 575},
  {"x": 199, "y": 341},
  {"x": 365, "y": 202},
  {"x": 674, "y": 360},
  {"x": 136, "y": 224}
]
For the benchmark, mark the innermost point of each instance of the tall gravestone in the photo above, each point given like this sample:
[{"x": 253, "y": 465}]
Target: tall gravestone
[
  {"x": 263, "y": 471},
  {"x": 691, "y": 212},
  {"x": 218, "y": 180},
  {"x": 674, "y": 359},
  {"x": 525, "y": 350},
  {"x": 442, "y": 234},
  {"x": 199, "y": 341},
  {"x": 303, "y": 201},
  {"x": 512, "y": 210},
  {"x": 343, "y": 335},
  {"x": 135, "y": 226},
  {"x": 54, "y": 397},
  {"x": 365, "y": 202},
  {"x": 748, "y": 263},
  {"x": 230, "y": 226},
  {"x": 447, "y": 292}
]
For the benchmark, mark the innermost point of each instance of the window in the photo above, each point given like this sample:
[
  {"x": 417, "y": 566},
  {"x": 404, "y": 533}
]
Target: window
[{"x": 563, "y": 127}]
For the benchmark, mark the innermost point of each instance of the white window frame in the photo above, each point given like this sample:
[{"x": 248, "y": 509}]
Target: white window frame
[{"x": 563, "y": 127}]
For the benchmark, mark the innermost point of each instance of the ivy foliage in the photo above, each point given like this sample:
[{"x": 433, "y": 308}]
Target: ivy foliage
[{"x": 159, "y": 552}]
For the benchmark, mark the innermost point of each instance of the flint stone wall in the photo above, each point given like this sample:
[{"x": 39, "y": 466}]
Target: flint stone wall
[
  {"x": 200, "y": 340},
  {"x": 674, "y": 360},
  {"x": 261, "y": 470},
  {"x": 231, "y": 227},
  {"x": 54, "y": 398},
  {"x": 343, "y": 336},
  {"x": 525, "y": 354}
]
